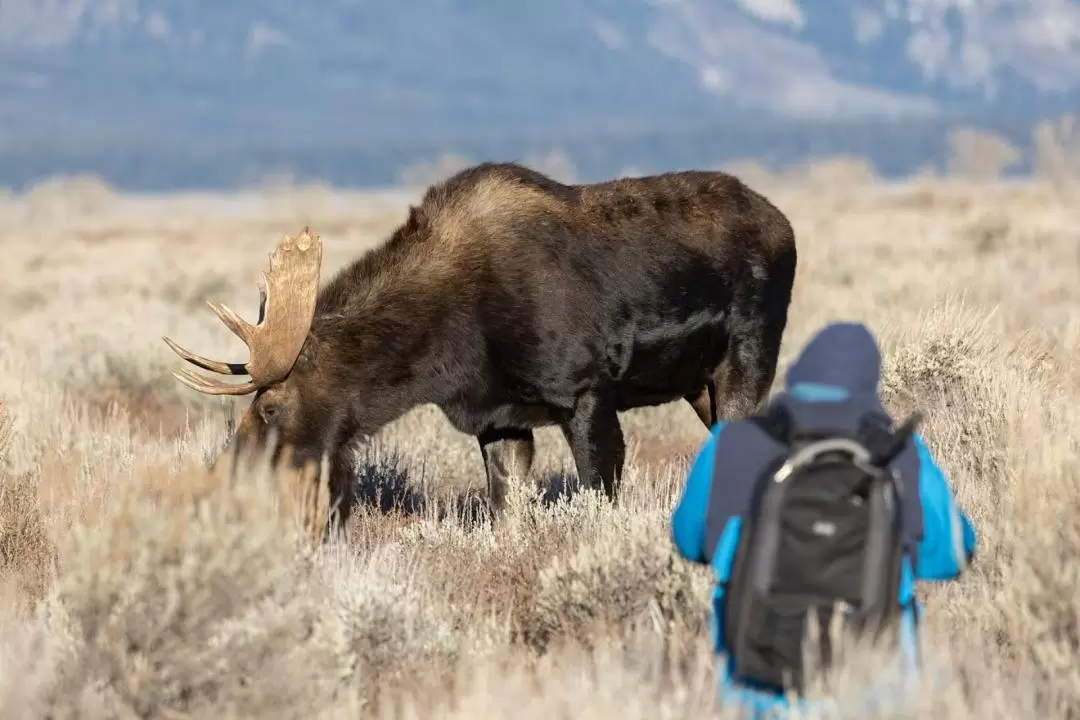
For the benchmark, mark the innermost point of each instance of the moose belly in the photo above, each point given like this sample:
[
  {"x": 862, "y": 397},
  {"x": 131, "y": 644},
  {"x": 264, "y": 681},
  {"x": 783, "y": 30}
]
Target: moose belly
[
  {"x": 474, "y": 418},
  {"x": 641, "y": 364},
  {"x": 667, "y": 361}
]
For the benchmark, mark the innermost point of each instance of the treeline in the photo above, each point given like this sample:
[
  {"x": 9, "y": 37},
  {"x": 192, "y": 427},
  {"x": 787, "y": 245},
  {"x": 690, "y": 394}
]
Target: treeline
[{"x": 892, "y": 149}]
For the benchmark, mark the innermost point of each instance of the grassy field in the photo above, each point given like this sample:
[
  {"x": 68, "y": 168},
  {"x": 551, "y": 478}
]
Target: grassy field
[{"x": 135, "y": 584}]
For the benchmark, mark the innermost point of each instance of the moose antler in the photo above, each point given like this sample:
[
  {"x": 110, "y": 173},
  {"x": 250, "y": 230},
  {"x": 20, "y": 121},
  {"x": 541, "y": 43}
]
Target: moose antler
[{"x": 288, "y": 293}]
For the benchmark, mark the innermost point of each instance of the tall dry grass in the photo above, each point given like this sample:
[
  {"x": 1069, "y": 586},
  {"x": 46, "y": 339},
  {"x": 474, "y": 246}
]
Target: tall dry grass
[{"x": 136, "y": 583}]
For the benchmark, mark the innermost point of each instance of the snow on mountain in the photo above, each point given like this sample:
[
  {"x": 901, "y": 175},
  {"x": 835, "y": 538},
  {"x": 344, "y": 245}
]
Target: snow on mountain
[
  {"x": 968, "y": 44},
  {"x": 741, "y": 56},
  {"x": 825, "y": 59},
  {"x": 59, "y": 23}
]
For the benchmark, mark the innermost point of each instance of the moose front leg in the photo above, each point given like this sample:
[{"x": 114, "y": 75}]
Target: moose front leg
[
  {"x": 506, "y": 451},
  {"x": 596, "y": 441},
  {"x": 342, "y": 487}
]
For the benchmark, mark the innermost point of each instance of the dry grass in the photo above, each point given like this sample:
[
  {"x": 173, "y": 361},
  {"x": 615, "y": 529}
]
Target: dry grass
[{"x": 135, "y": 584}]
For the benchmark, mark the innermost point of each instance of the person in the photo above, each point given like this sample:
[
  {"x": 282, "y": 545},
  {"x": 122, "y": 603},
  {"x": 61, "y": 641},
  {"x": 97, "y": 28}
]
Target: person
[{"x": 834, "y": 381}]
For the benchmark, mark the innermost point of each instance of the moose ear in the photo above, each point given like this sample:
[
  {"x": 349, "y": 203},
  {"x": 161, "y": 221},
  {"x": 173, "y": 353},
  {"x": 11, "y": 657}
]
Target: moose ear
[{"x": 308, "y": 353}]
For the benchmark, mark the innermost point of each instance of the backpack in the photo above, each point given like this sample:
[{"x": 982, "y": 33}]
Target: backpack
[{"x": 823, "y": 532}]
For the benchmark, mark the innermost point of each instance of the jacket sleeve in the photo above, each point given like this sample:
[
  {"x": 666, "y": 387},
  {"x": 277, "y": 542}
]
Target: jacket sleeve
[
  {"x": 949, "y": 541},
  {"x": 688, "y": 518}
]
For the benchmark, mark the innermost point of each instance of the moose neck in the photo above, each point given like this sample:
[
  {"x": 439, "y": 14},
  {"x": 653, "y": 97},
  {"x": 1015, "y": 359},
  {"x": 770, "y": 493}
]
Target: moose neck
[{"x": 388, "y": 349}]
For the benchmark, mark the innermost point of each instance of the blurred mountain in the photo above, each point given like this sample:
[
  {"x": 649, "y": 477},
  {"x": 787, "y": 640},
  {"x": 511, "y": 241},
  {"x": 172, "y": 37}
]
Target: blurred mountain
[{"x": 162, "y": 93}]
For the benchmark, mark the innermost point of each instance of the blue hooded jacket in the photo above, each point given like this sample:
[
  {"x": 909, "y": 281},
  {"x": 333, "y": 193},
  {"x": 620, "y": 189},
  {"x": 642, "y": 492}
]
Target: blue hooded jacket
[{"x": 834, "y": 381}]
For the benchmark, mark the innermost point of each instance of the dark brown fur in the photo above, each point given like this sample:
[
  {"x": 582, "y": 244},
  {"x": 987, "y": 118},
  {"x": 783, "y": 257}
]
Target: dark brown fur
[{"x": 512, "y": 301}]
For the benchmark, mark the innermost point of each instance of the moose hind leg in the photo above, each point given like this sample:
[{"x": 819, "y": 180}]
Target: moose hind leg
[
  {"x": 506, "y": 451},
  {"x": 596, "y": 442},
  {"x": 756, "y": 331},
  {"x": 704, "y": 404},
  {"x": 744, "y": 377}
]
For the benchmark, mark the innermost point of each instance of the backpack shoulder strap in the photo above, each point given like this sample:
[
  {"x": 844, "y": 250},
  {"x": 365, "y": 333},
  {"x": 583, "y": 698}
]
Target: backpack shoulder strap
[
  {"x": 884, "y": 443},
  {"x": 777, "y": 423},
  {"x": 734, "y": 486}
]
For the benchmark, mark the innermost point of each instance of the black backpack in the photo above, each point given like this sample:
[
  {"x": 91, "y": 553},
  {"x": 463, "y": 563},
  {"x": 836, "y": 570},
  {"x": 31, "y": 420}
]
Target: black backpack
[{"x": 823, "y": 532}]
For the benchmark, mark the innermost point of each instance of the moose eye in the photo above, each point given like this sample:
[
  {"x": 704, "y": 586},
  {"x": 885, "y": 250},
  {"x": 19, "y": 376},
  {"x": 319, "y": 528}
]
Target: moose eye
[{"x": 269, "y": 412}]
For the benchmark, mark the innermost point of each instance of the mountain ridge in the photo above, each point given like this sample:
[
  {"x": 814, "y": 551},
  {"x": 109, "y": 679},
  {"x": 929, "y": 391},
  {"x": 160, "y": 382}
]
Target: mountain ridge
[{"x": 140, "y": 88}]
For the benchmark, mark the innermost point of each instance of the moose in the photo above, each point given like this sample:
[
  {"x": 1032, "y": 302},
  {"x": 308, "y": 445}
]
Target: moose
[{"x": 513, "y": 301}]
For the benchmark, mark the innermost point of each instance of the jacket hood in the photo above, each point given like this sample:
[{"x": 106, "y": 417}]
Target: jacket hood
[{"x": 842, "y": 355}]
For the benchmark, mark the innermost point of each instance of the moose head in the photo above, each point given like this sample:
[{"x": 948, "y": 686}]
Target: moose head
[{"x": 293, "y": 413}]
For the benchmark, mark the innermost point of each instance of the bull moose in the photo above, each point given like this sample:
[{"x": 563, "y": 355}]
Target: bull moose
[{"x": 512, "y": 301}]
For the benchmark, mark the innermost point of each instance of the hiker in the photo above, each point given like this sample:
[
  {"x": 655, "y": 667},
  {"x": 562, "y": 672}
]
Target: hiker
[{"x": 832, "y": 385}]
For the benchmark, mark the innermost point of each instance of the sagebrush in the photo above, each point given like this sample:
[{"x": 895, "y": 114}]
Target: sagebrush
[{"x": 137, "y": 582}]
